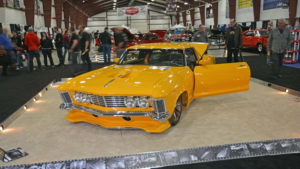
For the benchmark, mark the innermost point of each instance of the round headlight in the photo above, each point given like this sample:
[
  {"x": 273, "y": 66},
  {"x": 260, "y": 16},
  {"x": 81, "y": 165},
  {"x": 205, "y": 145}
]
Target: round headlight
[
  {"x": 129, "y": 102},
  {"x": 143, "y": 103},
  {"x": 78, "y": 97},
  {"x": 86, "y": 98}
]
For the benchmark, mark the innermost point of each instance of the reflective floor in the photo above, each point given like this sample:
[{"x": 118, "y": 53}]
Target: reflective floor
[{"x": 261, "y": 113}]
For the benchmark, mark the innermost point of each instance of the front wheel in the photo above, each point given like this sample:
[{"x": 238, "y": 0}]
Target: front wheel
[{"x": 177, "y": 112}]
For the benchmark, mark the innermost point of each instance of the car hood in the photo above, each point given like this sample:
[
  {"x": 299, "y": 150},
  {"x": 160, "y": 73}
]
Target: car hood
[{"x": 121, "y": 80}]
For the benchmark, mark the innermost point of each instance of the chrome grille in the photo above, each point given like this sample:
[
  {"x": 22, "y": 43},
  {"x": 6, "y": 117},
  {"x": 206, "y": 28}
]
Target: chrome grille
[
  {"x": 114, "y": 101},
  {"x": 108, "y": 101},
  {"x": 97, "y": 100},
  {"x": 66, "y": 97}
]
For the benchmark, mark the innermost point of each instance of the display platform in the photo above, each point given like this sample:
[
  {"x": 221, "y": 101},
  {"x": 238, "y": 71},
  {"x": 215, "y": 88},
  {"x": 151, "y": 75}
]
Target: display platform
[{"x": 262, "y": 113}]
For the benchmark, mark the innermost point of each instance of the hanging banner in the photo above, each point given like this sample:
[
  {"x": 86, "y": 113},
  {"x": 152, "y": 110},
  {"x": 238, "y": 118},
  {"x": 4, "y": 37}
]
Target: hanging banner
[
  {"x": 245, "y": 4},
  {"x": 133, "y": 11},
  {"x": 171, "y": 7},
  {"x": 227, "y": 9},
  {"x": 272, "y": 4}
]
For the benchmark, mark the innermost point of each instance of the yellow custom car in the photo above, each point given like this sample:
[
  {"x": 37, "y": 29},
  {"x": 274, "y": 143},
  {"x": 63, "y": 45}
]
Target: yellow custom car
[{"x": 149, "y": 86}]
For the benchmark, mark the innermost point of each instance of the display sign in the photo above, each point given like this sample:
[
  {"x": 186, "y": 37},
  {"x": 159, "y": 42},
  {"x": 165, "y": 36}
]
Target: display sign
[
  {"x": 171, "y": 7},
  {"x": 133, "y": 11},
  {"x": 245, "y": 4},
  {"x": 10, "y": 3},
  {"x": 272, "y": 4}
]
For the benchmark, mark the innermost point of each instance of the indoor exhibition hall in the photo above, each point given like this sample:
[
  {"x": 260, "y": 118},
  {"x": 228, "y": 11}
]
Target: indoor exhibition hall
[{"x": 144, "y": 84}]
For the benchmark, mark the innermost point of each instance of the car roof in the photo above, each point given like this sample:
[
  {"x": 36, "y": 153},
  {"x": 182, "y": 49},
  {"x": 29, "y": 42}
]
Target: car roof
[{"x": 162, "y": 46}]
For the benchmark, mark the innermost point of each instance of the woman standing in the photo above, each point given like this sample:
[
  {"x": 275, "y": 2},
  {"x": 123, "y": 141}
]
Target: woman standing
[{"x": 47, "y": 46}]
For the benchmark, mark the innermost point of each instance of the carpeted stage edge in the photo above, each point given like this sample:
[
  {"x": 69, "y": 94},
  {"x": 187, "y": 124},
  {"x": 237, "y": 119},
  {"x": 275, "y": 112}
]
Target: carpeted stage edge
[
  {"x": 17, "y": 88},
  {"x": 290, "y": 161}
]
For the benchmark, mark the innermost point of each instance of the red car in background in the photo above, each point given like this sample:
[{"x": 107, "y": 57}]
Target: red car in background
[
  {"x": 256, "y": 39},
  {"x": 152, "y": 38}
]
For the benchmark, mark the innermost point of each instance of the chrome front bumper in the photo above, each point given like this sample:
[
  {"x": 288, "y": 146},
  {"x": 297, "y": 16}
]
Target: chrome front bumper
[{"x": 162, "y": 117}]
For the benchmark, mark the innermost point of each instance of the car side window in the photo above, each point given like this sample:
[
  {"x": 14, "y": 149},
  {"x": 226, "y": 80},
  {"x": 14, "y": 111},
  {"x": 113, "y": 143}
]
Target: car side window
[
  {"x": 153, "y": 37},
  {"x": 191, "y": 58},
  {"x": 250, "y": 33}
]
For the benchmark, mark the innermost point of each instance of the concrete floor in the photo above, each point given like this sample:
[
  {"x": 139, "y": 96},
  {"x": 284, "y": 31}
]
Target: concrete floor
[{"x": 261, "y": 113}]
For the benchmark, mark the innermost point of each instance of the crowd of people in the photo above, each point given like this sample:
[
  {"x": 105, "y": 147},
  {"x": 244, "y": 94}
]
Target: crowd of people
[
  {"x": 278, "y": 43},
  {"x": 14, "y": 50},
  {"x": 78, "y": 45}
]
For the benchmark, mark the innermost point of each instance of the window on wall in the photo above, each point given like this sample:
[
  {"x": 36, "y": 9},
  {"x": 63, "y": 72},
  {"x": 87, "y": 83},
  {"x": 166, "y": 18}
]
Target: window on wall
[
  {"x": 253, "y": 25},
  {"x": 265, "y": 24},
  {"x": 0, "y": 28}
]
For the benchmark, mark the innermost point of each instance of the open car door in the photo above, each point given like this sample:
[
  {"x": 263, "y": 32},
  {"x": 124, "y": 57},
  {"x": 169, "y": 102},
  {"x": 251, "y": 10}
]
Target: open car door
[{"x": 215, "y": 79}]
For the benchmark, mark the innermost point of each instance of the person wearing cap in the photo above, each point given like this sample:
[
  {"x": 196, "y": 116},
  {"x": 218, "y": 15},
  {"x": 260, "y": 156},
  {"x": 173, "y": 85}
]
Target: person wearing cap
[
  {"x": 84, "y": 43},
  {"x": 105, "y": 39},
  {"x": 32, "y": 43},
  {"x": 120, "y": 41}
]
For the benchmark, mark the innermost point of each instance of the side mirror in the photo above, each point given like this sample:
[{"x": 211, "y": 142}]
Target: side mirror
[
  {"x": 203, "y": 62},
  {"x": 116, "y": 60},
  {"x": 206, "y": 60}
]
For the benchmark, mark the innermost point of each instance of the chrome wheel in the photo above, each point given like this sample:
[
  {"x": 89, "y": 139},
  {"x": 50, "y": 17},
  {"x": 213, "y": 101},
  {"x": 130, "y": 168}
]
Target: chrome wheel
[{"x": 177, "y": 112}]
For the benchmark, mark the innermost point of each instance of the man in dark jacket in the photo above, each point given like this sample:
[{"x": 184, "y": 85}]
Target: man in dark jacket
[
  {"x": 233, "y": 41},
  {"x": 84, "y": 44},
  {"x": 59, "y": 46},
  {"x": 74, "y": 51},
  {"x": 121, "y": 40},
  {"x": 105, "y": 39},
  {"x": 18, "y": 47}
]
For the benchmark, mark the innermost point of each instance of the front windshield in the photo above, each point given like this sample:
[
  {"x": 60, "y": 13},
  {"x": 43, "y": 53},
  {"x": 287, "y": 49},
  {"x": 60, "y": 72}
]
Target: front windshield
[{"x": 156, "y": 57}]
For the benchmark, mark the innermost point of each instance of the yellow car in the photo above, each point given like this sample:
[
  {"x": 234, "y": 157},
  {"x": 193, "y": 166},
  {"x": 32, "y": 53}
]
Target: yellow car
[{"x": 149, "y": 86}]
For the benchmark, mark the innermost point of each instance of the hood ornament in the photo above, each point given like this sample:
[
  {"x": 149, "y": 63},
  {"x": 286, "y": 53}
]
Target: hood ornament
[{"x": 123, "y": 74}]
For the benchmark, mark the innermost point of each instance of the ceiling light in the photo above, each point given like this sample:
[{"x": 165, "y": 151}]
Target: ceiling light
[
  {"x": 148, "y": 3},
  {"x": 1, "y": 127},
  {"x": 286, "y": 90},
  {"x": 185, "y": 3},
  {"x": 152, "y": 0},
  {"x": 115, "y": 0},
  {"x": 25, "y": 107},
  {"x": 178, "y": 6}
]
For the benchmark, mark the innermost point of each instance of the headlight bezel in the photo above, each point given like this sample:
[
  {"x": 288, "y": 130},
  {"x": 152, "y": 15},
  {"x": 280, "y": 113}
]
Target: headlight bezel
[
  {"x": 81, "y": 97},
  {"x": 138, "y": 102}
]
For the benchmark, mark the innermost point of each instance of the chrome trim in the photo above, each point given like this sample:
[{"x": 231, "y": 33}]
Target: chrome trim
[
  {"x": 162, "y": 117},
  {"x": 154, "y": 101},
  {"x": 115, "y": 78},
  {"x": 62, "y": 94}
]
